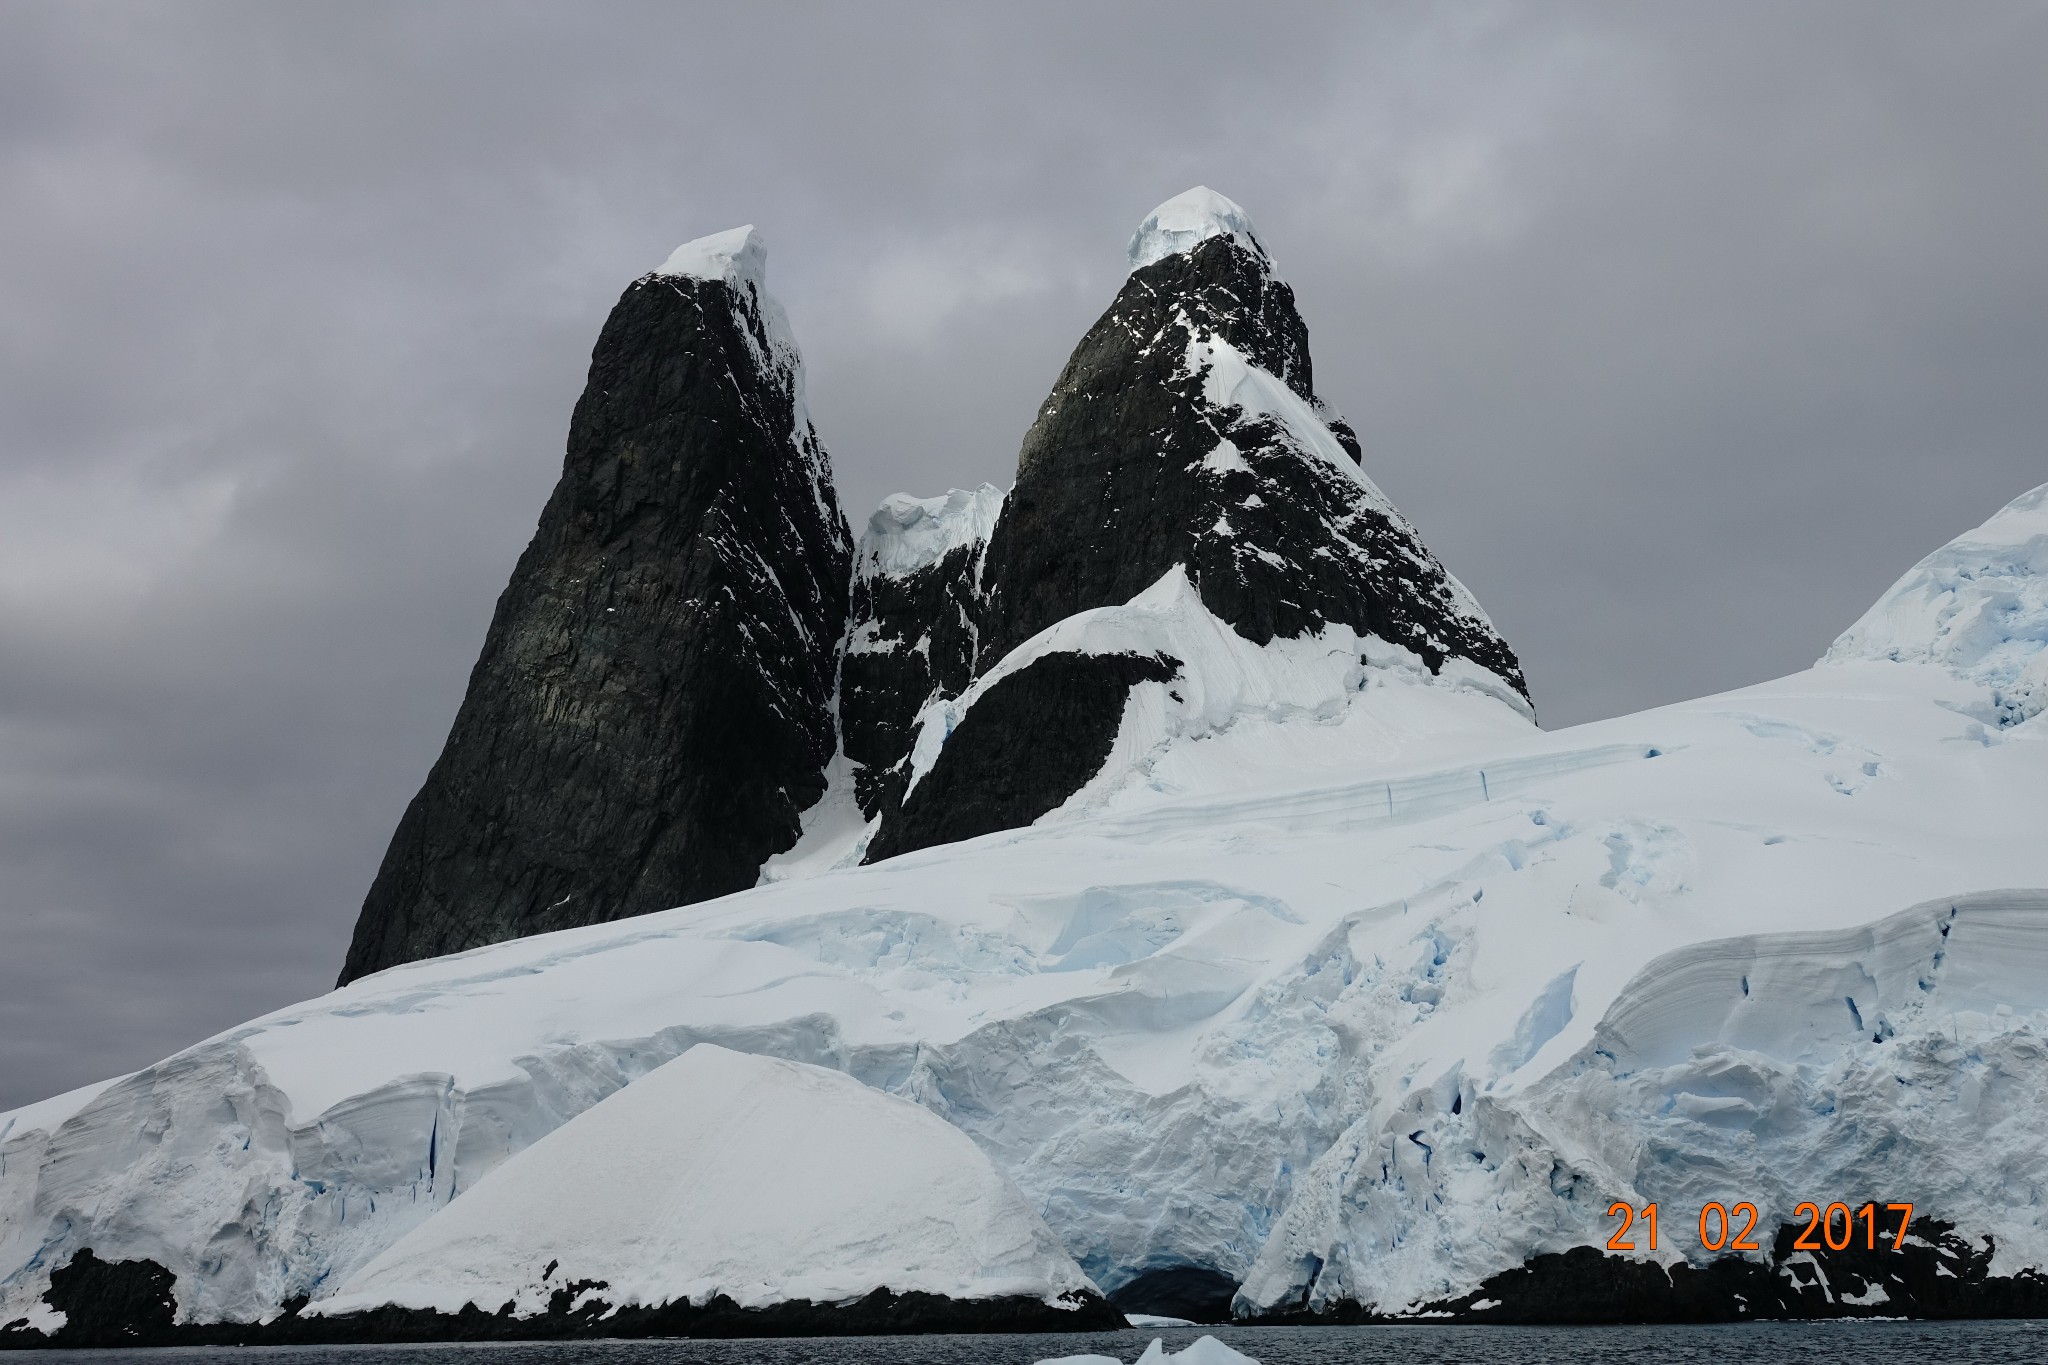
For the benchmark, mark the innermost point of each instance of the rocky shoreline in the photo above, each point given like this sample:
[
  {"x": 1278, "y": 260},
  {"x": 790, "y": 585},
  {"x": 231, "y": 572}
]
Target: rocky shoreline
[
  {"x": 1937, "y": 1275},
  {"x": 131, "y": 1303}
]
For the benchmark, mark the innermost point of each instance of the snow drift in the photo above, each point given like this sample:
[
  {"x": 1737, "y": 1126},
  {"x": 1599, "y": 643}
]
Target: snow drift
[{"x": 727, "y": 1173}]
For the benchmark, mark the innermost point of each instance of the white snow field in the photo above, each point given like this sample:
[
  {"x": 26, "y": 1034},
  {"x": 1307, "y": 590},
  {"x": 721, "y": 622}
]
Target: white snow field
[
  {"x": 1366, "y": 989},
  {"x": 729, "y": 1173}
]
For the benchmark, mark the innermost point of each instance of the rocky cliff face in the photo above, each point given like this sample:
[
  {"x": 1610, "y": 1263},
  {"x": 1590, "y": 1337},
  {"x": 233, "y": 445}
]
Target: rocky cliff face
[
  {"x": 1184, "y": 431},
  {"x": 917, "y": 612},
  {"x": 653, "y": 706}
]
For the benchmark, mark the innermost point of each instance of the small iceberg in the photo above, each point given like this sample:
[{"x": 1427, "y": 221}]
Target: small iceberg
[{"x": 1205, "y": 1350}]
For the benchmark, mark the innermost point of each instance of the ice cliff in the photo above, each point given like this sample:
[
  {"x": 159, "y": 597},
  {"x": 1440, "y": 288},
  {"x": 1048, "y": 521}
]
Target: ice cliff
[{"x": 728, "y": 1173}]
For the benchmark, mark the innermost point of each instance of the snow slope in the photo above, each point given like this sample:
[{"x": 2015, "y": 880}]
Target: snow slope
[
  {"x": 728, "y": 1173},
  {"x": 1217, "y": 723},
  {"x": 1341, "y": 1008},
  {"x": 1978, "y": 606}
]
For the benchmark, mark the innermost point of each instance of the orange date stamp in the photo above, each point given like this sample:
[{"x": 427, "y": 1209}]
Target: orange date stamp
[{"x": 1722, "y": 1228}]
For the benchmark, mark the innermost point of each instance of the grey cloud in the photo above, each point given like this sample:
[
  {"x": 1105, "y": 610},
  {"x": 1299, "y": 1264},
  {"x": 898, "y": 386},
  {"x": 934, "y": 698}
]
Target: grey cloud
[{"x": 1679, "y": 330}]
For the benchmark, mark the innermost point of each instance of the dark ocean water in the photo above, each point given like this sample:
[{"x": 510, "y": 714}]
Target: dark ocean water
[{"x": 1895, "y": 1343}]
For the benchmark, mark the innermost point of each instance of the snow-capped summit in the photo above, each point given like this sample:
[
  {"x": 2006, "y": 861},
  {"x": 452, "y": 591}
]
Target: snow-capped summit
[
  {"x": 1185, "y": 221},
  {"x": 1184, "y": 439},
  {"x": 733, "y": 255},
  {"x": 1978, "y": 606}
]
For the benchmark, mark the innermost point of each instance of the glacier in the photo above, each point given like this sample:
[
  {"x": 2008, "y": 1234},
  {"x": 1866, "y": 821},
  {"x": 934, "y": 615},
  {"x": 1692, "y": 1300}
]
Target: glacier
[{"x": 1356, "y": 1002}]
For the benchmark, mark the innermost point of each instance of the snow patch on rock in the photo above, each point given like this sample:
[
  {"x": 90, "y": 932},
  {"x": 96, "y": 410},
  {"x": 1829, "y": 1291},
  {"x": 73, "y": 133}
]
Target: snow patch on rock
[
  {"x": 725, "y": 1173},
  {"x": 1225, "y": 682},
  {"x": 1231, "y": 380},
  {"x": 1187, "y": 220},
  {"x": 835, "y": 832}
]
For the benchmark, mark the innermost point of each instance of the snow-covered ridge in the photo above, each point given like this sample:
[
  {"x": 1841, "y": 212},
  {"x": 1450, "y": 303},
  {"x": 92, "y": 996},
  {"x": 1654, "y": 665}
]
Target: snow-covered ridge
[
  {"x": 1978, "y": 606},
  {"x": 907, "y": 534},
  {"x": 735, "y": 255},
  {"x": 730, "y": 1173},
  {"x": 1226, "y": 682},
  {"x": 1187, "y": 220}
]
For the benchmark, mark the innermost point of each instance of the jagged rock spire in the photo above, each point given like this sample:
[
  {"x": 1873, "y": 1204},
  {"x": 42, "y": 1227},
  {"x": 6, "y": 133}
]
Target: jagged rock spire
[
  {"x": 1185, "y": 431},
  {"x": 652, "y": 708}
]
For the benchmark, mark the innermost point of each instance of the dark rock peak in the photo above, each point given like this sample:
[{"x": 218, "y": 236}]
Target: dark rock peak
[
  {"x": 1166, "y": 441},
  {"x": 652, "y": 707},
  {"x": 1184, "y": 430}
]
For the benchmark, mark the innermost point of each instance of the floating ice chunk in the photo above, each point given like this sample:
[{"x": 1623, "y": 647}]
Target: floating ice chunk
[
  {"x": 1187, "y": 220},
  {"x": 1208, "y": 1350},
  {"x": 733, "y": 255},
  {"x": 1205, "y": 1350}
]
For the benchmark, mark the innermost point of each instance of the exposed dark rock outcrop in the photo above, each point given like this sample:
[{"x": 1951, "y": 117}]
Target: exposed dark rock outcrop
[
  {"x": 112, "y": 1303},
  {"x": 1937, "y": 1274},
  {"x": 1185, "y": 430},
  {"x": 1150, "y": 452},
  {"x": 128, "y": 1303},
  {"x": 1032, "y": 739},
  {"x": 914, "y": 633},
  {"x": 652, "y": 708}
]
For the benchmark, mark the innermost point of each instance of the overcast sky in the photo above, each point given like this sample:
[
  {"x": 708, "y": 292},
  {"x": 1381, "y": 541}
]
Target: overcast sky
[{"x": 1679, "y": 330}]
